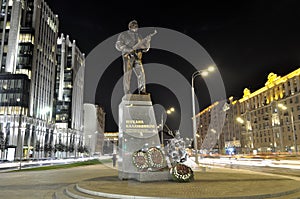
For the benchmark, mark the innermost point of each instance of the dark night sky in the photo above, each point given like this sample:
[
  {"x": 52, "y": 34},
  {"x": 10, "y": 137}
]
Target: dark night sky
[{"x": 246, "y": 39}]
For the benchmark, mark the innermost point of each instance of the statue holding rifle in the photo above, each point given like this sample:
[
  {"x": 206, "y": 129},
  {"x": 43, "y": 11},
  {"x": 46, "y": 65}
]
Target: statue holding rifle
[{"x": 132, "y": 46}]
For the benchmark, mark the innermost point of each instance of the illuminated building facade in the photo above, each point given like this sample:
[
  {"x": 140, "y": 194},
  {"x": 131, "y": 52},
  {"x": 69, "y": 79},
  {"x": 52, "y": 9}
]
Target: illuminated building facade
[
  {"x": 210, "y": 123},
  {"x": 101, "y": 129},
  {"x": 264, "y": 121},
  {"x": 28, "y": 34},
  {"x": 268, "y": 127},
  {"x": 68, "y": 98}
]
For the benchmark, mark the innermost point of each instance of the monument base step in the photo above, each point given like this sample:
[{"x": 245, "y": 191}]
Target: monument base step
[{"x": 146, "y": 176}]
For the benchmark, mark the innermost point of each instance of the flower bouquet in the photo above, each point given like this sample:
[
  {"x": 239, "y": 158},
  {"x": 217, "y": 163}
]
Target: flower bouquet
[{"x": 182, "y": 173}]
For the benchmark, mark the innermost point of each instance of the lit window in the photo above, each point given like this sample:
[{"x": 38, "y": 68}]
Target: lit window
[
  {"x": 26, "y": 38},
  {"x": 24, "y": 71},
  {"x": 7, "y": 25}
]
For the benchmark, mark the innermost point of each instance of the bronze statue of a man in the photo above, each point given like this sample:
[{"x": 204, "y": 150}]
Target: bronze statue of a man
[{"x": 132, "y": 45}]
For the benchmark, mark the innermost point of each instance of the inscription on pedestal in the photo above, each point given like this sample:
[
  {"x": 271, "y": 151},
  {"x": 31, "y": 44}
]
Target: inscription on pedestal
[{"x": 137, "y": 131}]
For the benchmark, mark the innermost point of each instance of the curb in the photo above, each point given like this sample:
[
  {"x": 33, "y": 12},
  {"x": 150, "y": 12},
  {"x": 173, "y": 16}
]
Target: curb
[
  {"x": 110, "y": 195},
  {"x": 120, "y": 196}
]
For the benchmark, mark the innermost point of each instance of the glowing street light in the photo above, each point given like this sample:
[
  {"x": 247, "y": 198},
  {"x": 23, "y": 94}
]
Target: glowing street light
[{"x": 202, "y": 73}]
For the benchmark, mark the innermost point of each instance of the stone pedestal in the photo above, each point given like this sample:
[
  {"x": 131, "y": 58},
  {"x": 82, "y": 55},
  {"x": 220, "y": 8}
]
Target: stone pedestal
[{"x": 137, "y": 130}]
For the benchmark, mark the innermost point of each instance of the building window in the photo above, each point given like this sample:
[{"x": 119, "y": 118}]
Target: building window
[
  {"x": 25, "y": 49},
  {"x": 2, "y": 110},
  {"x": 28, "y": 21},
  {"x": 24, "y": 61},
  {"x": 25, "y": 72},
  {"x": 7, "y": 25},
  {"x": 68, "y": 84},
  {"x": 296, "y": 99},
  {"x": 26, "y": 38},
  {"x": 3, "y": 97}
]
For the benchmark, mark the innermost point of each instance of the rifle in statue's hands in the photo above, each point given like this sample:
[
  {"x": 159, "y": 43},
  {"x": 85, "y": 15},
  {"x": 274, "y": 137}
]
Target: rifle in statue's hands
[
  {"x": 140, "y": 46},
  {"x": 142, "y": 42}
]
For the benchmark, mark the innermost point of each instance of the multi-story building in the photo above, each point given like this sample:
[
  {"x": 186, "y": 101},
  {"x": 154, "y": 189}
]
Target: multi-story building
[
  {"x": 264, "y": 121},
  {"x": 101, "y": 129},
  {"x": 231, "y": 137},
  {"x": 91, "y": 127},
  {"x": 271, "y": 115},
  {"x": 28, "y": 35},
  {"x": 210, "y": 123},
  {"x": 69, "y": 96}
]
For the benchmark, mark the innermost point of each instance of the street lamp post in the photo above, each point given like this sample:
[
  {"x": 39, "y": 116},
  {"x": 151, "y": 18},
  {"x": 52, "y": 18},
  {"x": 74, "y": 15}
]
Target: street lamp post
[
  {"x": 194, "y": 75},
  {"x": 283, "y": 107},
  {"x": 169, "y": 111}
]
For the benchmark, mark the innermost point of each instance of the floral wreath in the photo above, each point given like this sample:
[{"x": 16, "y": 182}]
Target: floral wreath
[
  {"x": 152, "y": 158},
  {"x": 140, "y": 159},
  {"x": 156, "y": 158},
  {"x": 182, "y": 173}
]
